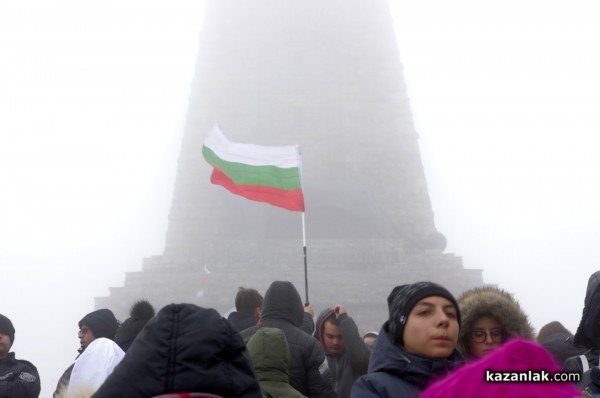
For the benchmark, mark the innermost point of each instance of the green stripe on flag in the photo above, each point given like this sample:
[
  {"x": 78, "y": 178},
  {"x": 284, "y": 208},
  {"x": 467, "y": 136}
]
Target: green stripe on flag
[{"x": 243, "y": 174}]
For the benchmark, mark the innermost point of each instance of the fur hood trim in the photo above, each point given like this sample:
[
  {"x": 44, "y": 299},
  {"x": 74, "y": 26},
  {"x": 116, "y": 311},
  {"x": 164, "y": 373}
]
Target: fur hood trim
[{"x": 494, "y": 302}]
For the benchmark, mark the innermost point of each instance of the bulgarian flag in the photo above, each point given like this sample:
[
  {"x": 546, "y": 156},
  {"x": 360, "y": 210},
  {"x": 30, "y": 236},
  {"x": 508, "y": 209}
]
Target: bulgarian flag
[{"x": 268, "y": 174}]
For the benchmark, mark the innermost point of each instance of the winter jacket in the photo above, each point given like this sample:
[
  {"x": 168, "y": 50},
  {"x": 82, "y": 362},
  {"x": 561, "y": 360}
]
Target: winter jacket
[
  {"x": 184, "y": 348},
  {"x": 345, "y": 368},
  {"x": 574, "y": 364},
  {"x": 394, "y": 372},
  {"x": 497, "y": 303},
  {"x": 271, "y": 357},
  {"x": 588, "y": 332},
  {"x": 283, "y": 309},
  {"x": 561, "y": 346},
  {"x": 242, "y": 321},
  {"x": 18, "y": 378}
]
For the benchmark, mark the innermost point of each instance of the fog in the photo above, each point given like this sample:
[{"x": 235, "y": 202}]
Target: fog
[{"x": 93, "y": 99}]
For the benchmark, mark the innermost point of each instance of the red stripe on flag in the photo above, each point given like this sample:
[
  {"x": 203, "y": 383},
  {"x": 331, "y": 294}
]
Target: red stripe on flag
[{"x": 288, "y": 199}]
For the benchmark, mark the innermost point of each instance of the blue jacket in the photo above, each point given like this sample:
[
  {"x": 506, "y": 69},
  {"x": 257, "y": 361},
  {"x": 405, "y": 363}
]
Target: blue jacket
[{"x": 394, "y": 372}]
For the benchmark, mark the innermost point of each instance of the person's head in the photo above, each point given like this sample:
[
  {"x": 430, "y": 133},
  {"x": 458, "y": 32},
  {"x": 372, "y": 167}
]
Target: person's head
[
  {"x": 283, "y": 302},
  {"x": 139, "y": 315},
  {"x": 424, "y": 319},
  {"x": 369, "y": 338},
  {"x": 490, "y": 317},
  {"x": 332, "y": 339},
  {"x": 269, "y": 349},
  {"x": 97, "y": 324},
  {"x": 7, "y": 335},
  {"x": 248, "y": 301},
  {"x": 550, "y": 329}
]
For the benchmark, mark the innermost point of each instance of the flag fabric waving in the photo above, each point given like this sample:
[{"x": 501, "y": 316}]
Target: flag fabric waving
[{"x": 268, "y": 174}]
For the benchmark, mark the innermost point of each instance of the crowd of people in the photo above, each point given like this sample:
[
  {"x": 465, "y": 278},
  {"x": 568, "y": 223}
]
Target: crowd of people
[{"x": 431, "y": 345}]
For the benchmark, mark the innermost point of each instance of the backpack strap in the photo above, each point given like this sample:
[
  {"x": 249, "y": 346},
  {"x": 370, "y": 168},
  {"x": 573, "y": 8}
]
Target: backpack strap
[{"x": 584, "y": 363}]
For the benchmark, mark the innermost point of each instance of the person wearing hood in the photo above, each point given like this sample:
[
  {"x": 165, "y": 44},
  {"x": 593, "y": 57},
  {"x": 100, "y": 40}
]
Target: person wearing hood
[
  {"x": 588, "y": 331},
  {"x": 18, "y": 378},
  {"x": 283, "y": 309},
  {"x": 415, "y": 346},
  {"x": 184, "y": 349},
  {"x": 346, "y": 353},
  {"x": 99, "y": 324},
  {"x": 558, "y": 340},
  {"x": 139, "y": 315},
  {"x": 490, "y": 317},
  {"x": 270, "y": 354}
]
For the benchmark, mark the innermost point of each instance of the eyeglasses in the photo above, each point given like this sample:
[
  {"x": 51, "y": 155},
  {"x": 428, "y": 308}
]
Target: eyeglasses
[
  {"x": 83, "y": 330},
  {"x": 496, "y": 335}
]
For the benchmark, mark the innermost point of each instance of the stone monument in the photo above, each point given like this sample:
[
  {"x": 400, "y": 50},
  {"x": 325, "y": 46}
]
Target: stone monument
[{"x": 326, "y": 75}]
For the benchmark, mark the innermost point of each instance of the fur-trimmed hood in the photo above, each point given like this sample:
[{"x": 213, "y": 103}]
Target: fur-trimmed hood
[{"x": 494, "y": 302}]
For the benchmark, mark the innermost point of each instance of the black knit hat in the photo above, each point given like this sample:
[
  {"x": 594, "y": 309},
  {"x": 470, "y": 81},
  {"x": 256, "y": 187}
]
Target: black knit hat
[
  {"x": 102, "y": 323},
  {"x": 403, "y": 298},
  {"x": 7, "y": 328},
  {"x": 141, "y": 312}
]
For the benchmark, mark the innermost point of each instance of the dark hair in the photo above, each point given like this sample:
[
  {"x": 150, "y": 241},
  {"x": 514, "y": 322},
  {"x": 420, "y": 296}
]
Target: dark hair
[
  {"x": 550, "y": 329},
  {"x": 247, "y": 300},
  {"x": 332, "y": 317}
]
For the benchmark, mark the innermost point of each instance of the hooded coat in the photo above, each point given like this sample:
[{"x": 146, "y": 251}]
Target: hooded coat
[
  {"x": 496, "y": 303},
  {"x": 394, "y": 372},
  {"x": 348, "y": 366},
  {"x": 588, "y": 331},
  {"x": 184, "y": 348},
  {"x": 283, "y": 309},
  {"x": 271, "y": 357}
]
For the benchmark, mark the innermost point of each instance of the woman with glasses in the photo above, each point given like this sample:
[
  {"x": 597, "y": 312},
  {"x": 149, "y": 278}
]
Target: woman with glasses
[{"x": 490, "y": 317}]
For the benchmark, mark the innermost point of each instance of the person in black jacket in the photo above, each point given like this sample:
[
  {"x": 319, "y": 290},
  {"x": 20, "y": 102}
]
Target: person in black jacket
[
  {"x": 18, "y": 378},
  {"x": 248, "y": 306},
  {"x": 184, "y": 348},
  {"x": 415, "y": 346},
  {"x": 588, "y": 331},
  {"x": 558, "y": 341},
  {"x": 347, "y": 355},
  {"x": 282, "y": 309}
]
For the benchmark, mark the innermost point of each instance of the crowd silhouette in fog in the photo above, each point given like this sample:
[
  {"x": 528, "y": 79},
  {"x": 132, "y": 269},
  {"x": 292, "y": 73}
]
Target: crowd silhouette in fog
[{"x": 431, "y": 345}]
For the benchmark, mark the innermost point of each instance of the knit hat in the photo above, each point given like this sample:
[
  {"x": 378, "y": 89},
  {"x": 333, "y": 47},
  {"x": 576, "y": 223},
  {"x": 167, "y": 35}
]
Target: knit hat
[
  {"x": 7, "y": 328},
  {"x": 102, "y": 323},
  {"x": 517, "y": 355},
  {"x": 141, "y": 312},
  {"x": 403, "y": 298}
]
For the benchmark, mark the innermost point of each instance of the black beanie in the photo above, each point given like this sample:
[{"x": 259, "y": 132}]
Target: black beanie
[
  {"x": 403, "y": 298},
  {"x": 102, "y": 323},
  {"x": 141, "y": 312},
  {"x": 7, "y": 328}
]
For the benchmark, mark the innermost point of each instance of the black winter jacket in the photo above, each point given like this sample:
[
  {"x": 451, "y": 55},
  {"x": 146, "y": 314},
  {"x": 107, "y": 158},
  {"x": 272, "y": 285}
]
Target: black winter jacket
[
  {"x": 18, "y": 378},
  {"x": 283, "y": 309},
  {"x": 184, "y": 348}
]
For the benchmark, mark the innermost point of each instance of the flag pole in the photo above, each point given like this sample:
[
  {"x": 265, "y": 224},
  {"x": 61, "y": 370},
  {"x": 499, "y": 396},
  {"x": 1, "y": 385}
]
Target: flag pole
[{"x": 305, "y": 261}]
